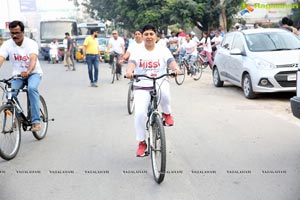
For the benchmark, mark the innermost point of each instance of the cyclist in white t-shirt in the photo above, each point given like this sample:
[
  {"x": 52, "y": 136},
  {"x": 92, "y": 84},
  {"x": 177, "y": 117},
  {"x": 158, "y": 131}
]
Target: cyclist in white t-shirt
[
  {"x": 138, "y": 42},
  {"x": 23, "y": 54},
  {"x": 116, "y": 46},
  {"x": 152, "y": 60},
  {"x": 190, "y": 52}
]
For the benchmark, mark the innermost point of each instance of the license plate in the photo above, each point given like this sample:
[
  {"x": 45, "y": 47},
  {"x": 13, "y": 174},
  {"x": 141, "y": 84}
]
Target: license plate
[{"x": 291, "y": 77}]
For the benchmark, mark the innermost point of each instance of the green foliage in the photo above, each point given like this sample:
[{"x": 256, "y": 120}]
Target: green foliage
[
  {"x": 161, "y": 13},
  {"x": 296, "y": 14}
]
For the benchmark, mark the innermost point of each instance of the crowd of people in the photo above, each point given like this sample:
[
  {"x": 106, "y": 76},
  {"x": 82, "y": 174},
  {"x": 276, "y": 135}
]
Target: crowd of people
[{"x": 147, "y": 52}]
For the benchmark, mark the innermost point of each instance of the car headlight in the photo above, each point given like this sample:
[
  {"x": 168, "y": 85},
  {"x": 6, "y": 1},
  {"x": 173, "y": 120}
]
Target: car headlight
[{"x": 262, "y": 64}]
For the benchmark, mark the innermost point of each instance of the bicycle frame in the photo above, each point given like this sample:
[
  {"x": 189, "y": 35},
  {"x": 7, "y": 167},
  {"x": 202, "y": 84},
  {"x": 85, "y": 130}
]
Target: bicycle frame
[{"x": 20, "y": 112}]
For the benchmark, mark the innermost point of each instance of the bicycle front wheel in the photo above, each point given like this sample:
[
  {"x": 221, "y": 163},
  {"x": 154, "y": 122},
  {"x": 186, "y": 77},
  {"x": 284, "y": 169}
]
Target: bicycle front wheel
[
  {"x": 10, "y": 133},
  {"x": 113, "y": 72},
  {"x": 2, "y": 94},
  {"x": 130, "y": 98},
  {"x": 179, "y": 79},
  {"x": 198, "y": 70},
  {"x": 43, "y": 120},
  {"x": 158, "y": 149}
]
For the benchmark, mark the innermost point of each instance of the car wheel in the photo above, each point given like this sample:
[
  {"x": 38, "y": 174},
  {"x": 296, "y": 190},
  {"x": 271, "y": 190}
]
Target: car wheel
[
  {"x": 247, "y": 87},
  {"x": 216, "y": 78}
]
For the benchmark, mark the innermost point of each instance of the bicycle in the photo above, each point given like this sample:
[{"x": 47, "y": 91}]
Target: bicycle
[
  {"x": 203, "y": 61},
  {"x": 184, "y": 65},
  {"x": 114, "y": 66},
  {"x": 156, "y": 140},
  {"x": 130, "y": 98},
  {"x": 13, "y": 118}
]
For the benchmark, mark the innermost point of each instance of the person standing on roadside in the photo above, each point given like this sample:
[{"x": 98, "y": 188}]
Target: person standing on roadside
[
  {"x": 69, "y": 54},
  {"x": 65, "y": 44},
  {"x": 91, "y": 55}
]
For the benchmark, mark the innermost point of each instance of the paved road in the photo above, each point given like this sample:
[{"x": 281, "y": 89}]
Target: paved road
[{"x": 222, "y": 146}]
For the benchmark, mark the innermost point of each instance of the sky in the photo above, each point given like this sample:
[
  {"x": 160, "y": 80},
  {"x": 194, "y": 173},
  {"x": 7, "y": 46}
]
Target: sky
[{"x": 11, "y": 10}]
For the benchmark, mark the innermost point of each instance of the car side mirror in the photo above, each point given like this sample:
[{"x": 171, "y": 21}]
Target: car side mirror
[{"x": 236, "y": 51}]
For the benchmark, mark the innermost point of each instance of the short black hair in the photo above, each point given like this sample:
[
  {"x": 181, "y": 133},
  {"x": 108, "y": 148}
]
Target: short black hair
[
  {"x": 138, "y": 30},
  {"x": 285, "y": 20},
  {"x": 16, "y": 23},
  {"x": 148, "y": 27},
  {"x": 66, "y": 33},
  {"x": 290, "y": 22}
]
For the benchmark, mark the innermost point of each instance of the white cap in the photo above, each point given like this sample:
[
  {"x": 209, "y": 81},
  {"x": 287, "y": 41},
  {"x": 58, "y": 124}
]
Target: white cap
[
  {"x": 193, "y": 33},
  {"x": 236, "y": 24}
]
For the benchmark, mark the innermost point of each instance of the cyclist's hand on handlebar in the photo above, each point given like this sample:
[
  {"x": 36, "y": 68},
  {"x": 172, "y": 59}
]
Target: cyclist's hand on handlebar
[
  {"x": 177, "y": 72},
  {"x": 129, "y": 75},
  {"x": 24, "y": 74}
]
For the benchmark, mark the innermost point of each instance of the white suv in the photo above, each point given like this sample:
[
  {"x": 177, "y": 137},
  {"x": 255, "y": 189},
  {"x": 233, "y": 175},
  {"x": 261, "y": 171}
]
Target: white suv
[
  {"x": 295, "y": 101},
  {"x": 258, "y": 60}
]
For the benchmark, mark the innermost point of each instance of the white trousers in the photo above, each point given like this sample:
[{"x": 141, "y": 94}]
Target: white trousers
[{"x": 142, "y": 99}]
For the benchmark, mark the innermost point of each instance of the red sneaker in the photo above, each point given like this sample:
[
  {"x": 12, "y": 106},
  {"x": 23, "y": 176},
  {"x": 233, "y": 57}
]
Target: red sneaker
[
  {"x": 168, "y": 119},
  {"x": 140, "y": 152}
]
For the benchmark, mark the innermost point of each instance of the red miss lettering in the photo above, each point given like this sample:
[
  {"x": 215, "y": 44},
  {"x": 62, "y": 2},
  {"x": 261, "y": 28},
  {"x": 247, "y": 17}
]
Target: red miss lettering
[
  {"x": 21, "y": 58},
  {"x": 149, "y": 64}
]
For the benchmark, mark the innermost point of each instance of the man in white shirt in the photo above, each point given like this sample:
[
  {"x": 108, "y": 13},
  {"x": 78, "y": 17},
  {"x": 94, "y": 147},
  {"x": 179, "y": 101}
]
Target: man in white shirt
[
  {"x": 116, "y": 47},
  {"x": 23, "y": 54}
]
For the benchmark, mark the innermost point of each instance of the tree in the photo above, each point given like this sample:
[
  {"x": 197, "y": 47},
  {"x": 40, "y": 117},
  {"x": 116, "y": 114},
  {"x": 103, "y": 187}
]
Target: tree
[
  {"x": 296, "y": 14},
  {"x": 161, "y": 13}
]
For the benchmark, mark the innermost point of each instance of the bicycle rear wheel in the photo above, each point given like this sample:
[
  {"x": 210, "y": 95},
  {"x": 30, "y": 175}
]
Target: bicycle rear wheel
[
  {"x": 43, "y": 120},
  {"x": 10, "y": 133},
  {"x": 198, "y": 70},
  {"x": 158, "y": 149},
  {"x": 179, "y": 79},
  {"x": 130, "y": 98}
]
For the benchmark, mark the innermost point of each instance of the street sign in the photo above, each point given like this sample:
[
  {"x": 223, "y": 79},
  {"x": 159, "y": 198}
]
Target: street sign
[{"x": 27, "y": 5}]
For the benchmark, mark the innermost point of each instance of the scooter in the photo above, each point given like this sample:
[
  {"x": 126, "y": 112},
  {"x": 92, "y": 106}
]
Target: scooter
[{"x": 53, "y": 52}]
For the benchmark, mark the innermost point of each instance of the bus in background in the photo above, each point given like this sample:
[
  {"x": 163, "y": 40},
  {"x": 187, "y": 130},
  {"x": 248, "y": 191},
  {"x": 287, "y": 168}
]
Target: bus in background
[
  {"x": 55, "y": 29},
  {"x": 85, "y": 28}
]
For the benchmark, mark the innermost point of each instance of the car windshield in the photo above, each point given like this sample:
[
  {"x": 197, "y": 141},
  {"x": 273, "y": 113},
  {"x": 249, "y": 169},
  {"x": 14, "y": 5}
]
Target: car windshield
[
  {"x": 272, "y": 41},
  {"x": 79, "y": 41},
  {"x": 102, "y": 41}
]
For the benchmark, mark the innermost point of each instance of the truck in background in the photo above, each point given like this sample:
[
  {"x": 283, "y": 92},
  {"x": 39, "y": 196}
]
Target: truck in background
[
  {"x": 85, "y": 28},
  {"x": 55, "y": 29}
]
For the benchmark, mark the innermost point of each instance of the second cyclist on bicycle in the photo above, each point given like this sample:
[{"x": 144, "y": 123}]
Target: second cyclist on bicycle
[
  {"x": 116, "y": 47},
  {"x": 190, "y": 52}
]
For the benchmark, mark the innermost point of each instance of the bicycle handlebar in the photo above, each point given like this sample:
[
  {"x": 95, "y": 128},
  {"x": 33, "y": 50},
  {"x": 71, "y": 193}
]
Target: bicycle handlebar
[
  {"x": 135, "y": 76},
  {"x": 11, "y": 78}
]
